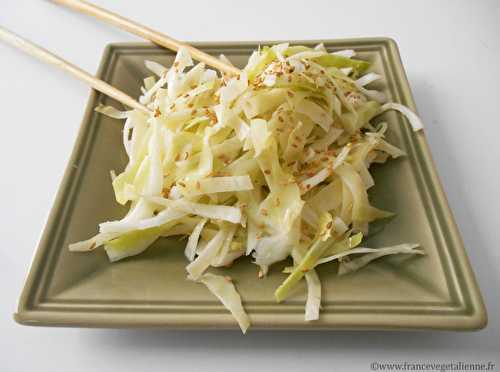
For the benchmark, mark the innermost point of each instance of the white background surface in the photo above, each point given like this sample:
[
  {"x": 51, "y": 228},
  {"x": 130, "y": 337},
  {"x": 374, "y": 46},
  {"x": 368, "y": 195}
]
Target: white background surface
[{"x": 451, "y": 51}]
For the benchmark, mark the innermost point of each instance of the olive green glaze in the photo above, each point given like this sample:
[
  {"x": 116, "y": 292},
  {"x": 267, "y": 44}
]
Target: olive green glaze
[{"x": 436, "y": 291}]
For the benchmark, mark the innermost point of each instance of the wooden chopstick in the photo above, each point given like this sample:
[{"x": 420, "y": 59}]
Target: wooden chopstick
[
  {"x": 46, "y": 56},
  {"x": 146, "y": 33}
]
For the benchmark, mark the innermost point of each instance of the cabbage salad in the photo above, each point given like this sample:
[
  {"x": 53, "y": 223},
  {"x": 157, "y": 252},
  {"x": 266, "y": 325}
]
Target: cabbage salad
[{"x": 272, "y": 163}]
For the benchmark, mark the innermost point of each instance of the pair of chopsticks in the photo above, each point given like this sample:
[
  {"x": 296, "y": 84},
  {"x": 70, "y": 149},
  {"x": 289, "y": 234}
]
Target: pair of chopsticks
[{"x": 123, "y": 23}]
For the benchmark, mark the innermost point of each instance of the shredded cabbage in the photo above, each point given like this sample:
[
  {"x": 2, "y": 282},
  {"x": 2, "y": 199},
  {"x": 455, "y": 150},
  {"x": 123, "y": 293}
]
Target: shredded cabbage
[
  {"x": 313, "y": 302},
  {"x": 347, "y": 266},
  {"x": 224, "y": 289},
  {"x": 272, "y": 163},
  {"x": 192, "y": 243},
  {"x": 414, "y": 120}
]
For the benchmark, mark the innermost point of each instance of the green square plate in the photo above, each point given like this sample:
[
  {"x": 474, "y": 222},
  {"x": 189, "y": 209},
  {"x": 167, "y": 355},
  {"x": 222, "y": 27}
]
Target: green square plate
[{"x": 436, "y": 291}]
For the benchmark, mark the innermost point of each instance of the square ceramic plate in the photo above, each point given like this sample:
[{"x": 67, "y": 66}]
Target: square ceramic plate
[{"x": 436, "y": 291}]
